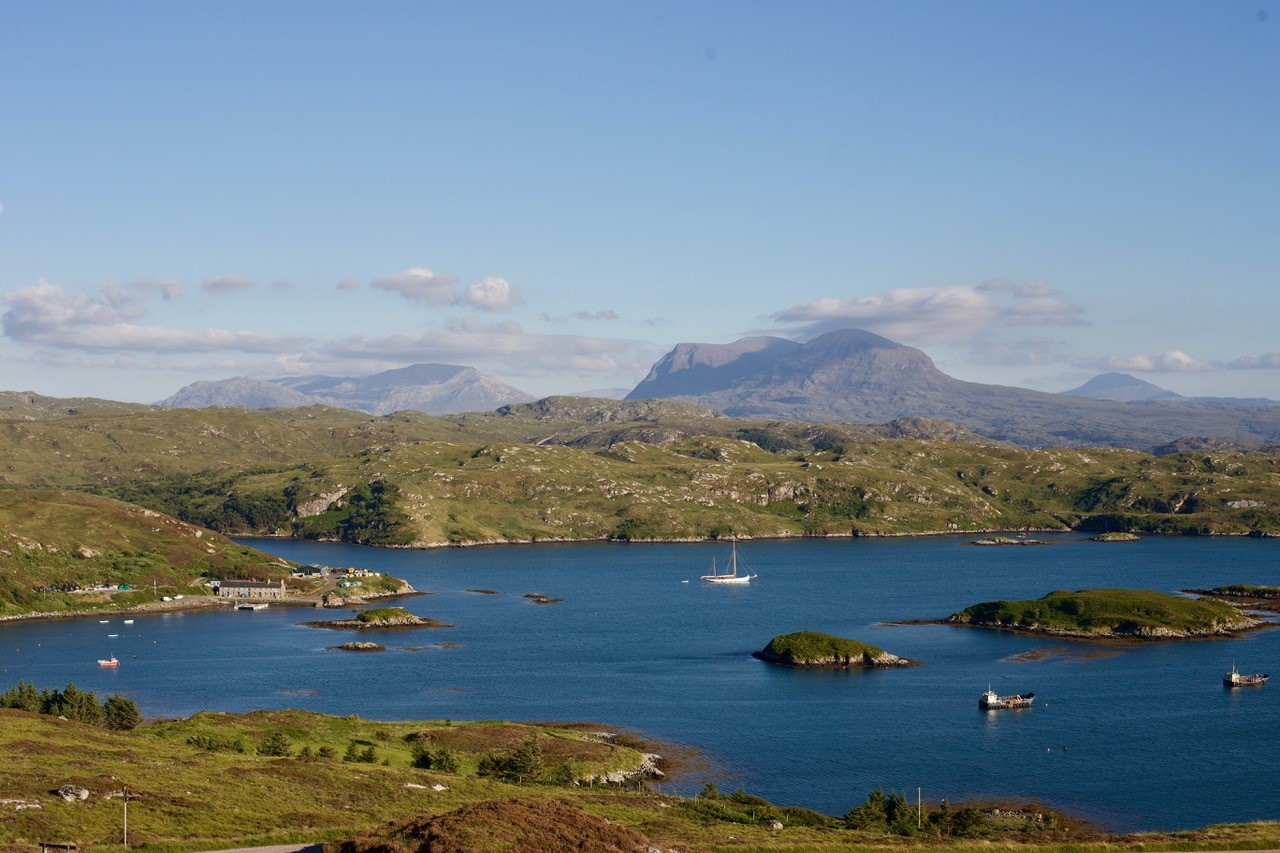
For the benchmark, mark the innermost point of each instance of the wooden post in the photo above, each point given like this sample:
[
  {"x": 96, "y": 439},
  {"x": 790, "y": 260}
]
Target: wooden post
[
  {"x": 125, "y": 792},
  {"x": 919, "y": 810}
]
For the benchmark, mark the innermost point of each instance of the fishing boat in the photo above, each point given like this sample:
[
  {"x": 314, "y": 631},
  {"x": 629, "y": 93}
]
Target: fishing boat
[
  {"x": 128, "y": 621},
  {"x": 990, "y": 701},
  {"x": 732, "y": 575},
  {"x": 1235, "y": 678},
  {"x": 111, "y": 661}
]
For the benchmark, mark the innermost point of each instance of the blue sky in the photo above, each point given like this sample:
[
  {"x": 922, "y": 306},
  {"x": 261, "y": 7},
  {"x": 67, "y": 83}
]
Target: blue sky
[{"x": 557, "y": 193}]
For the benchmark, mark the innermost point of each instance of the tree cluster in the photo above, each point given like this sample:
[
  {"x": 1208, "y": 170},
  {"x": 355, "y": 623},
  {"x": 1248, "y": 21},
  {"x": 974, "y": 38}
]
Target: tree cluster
[
  {"x": 893, "y": 814},
  {"x": 117, "y": 712},
  {"x": 522, "y": 764}
]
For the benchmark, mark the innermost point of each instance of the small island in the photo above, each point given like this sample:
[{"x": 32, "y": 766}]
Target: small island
[
  {"x": 1110, "y": 614},
  {"x": 996, "y": 541},
  {"x": 356, "y": 647},
  {"x": 815, "y": 650},
  {"x": 379, "y": 619},
  {"x": 1116, "y": 537},
  {"x": 1244, "y": 595},
  {"x": 1240, "y": 590}
]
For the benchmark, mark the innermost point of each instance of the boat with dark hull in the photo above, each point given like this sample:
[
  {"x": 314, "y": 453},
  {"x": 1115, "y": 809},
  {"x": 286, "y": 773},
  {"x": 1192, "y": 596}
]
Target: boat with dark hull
[
  {"x": 1235, "y": 678},
  {"x": 991, "y": 701}
]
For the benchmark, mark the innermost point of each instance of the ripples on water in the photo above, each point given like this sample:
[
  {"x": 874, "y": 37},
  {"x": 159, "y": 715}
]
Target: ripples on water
[{"x": 1141, "y": 737}]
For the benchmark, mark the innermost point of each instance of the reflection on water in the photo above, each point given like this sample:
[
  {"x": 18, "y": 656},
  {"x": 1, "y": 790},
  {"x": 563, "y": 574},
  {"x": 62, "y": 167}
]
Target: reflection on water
[{"x": 631, "y": 645}]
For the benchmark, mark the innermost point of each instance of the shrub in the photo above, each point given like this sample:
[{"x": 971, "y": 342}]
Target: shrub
[
  {"x": 522, "y": 764},
  {"x": 276, "y": 745},
  {"x": 121, "y": 714}
]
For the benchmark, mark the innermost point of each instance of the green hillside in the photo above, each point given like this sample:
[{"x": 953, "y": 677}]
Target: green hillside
[
  {"x": 56, "y": 547},
  {"x": 571, "y": 468}
]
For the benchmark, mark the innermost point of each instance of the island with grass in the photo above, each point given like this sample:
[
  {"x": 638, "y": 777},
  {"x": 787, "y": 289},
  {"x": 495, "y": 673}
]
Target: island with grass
[
  {"x": 815, "y": 650},
  {"x": 998, "y": 541},
  {"x": 379, "y": 619},
  {"x": 1111, "y": 614},
  {"x": 1116, "y": 536}
]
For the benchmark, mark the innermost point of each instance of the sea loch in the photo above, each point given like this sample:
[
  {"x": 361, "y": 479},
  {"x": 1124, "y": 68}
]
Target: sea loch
[{"x": 631, "y": 645}]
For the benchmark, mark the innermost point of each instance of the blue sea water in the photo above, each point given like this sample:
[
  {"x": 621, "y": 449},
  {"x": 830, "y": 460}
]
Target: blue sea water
[{"x": 1139, "y": 737}]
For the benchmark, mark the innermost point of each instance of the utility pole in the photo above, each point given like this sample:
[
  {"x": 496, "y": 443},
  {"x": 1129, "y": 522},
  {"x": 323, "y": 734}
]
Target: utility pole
[
  {"x": 125, "y": 794},
  {"x": 919, "y": 810}
]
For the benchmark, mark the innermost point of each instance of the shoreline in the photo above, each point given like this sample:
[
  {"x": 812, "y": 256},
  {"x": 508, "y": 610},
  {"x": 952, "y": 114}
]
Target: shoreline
[
  {"x": 774, "y": 537},
  {"x": 188, "y": 603},
  {"x": 1105, "y": 639}
]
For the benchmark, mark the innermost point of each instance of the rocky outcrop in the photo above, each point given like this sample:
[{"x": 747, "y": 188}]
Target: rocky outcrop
[
  {"x": 648, "y": 768},
  {"x": 73, "y": 793},
  {"x": 357, "y": 647}
]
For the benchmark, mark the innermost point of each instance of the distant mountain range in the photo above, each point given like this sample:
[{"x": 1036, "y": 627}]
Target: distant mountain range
[
  {"x": 844, "y": 376},
  {"x": 851, "y": 375},
  {"x": 437, "y": 389}
]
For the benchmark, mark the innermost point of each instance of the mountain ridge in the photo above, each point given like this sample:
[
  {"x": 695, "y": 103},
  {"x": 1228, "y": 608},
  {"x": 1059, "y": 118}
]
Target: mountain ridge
[
  {"x": 850, "y": 375},
  {"x": 436, "y": 389}
]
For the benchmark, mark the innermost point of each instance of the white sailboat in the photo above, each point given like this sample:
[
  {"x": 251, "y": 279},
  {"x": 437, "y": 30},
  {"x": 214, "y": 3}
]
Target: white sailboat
[{"x": 732, "y": 575}]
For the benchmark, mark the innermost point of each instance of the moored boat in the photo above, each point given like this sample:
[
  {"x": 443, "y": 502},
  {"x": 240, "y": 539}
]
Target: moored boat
[
  {"x": 1235, "y": 678},
  {"x": 991, "y": 701},
  {"x": 732, "y": 575},
  {"x": 111, "y": 661}
]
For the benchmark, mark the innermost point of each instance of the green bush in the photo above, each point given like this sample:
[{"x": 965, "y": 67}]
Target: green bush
[
  {"x": 121, "y": 714},
  {"x": 276, "y": 745}
]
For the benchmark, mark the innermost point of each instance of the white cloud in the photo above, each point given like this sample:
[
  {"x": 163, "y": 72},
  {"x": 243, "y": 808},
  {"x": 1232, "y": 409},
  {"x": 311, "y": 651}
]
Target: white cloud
[
  {"x": 418, "y": 284},
  {"x": 503, "y": 347},
  {"x": 349, "y": 284},
  {"x": 46, "y": 315},
  {"x": 913, "y": 314},
  {"x": 160, "y": 339},
  {"x": 1261, "y": 361},
  {"x": 995, "y": 284},
  {"x": 226, "y": 284},
  {"x": 491, "y": 294},
  {"x": 43, "y": 306},
  {"x": 1174, "y": 361}
]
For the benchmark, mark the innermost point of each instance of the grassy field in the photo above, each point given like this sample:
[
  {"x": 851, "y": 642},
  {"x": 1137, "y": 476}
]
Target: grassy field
[
  {"x": 202, "y": 783},
  {"x": 1108, "y": 613}
]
